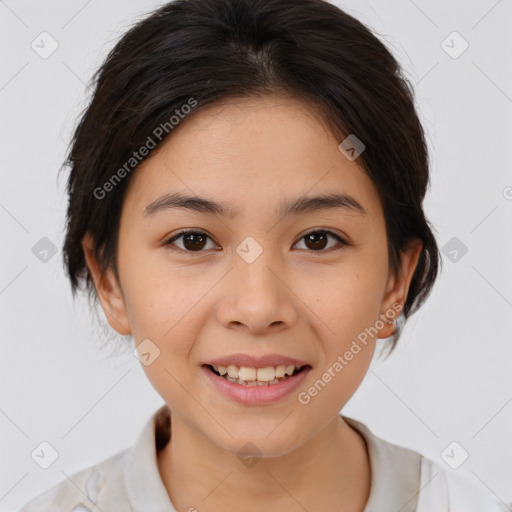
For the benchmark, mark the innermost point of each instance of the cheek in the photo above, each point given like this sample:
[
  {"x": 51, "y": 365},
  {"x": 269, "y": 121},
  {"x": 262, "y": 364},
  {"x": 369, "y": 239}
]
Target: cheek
[
  {"x": 350, "y": 299},
  {"x": 169, "y": 313},
  {"x": 157, "y": 297},
  {"x": 163, "y": 316},
  {"x": 165, "y": 322}
]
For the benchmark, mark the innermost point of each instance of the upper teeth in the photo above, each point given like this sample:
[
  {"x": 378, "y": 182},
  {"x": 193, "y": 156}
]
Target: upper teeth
[{"x": 246, "y": 373}]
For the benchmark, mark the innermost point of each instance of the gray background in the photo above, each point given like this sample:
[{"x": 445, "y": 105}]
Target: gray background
[{"x": 449, "y": 379}]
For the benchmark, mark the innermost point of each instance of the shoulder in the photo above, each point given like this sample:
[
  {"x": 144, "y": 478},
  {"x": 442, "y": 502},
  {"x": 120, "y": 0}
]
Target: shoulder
[
  {"x": 101, "y": 485},
  {"x": 402, "y": 475},
  {"x": 454, "y": 491}
]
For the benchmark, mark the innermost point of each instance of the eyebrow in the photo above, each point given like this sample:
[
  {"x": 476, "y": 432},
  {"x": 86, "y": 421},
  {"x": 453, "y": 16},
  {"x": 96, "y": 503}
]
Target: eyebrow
[{"x": 305, "y": 204}]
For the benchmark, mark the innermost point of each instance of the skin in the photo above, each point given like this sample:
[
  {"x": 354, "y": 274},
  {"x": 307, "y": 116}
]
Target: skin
[{"x": 251, "y": 154}]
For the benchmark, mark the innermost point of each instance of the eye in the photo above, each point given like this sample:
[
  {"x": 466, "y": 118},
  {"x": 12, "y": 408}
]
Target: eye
[
  {"x": 192, "y": 241},
  {"x": 317, "y": 241},
  {"x": 196, "y": 241}
]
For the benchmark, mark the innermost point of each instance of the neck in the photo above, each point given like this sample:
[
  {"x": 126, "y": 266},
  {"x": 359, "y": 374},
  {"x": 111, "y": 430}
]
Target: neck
[{"x": 328, "y": 471}]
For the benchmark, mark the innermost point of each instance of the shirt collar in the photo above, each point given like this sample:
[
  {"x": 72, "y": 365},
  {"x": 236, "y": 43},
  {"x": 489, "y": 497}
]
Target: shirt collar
[
  {"x": 395, "y": 471},
  {"x": 143, "y": 482}
]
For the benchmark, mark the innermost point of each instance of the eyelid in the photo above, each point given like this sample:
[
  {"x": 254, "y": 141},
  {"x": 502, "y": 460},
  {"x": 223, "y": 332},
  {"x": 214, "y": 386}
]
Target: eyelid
[{"x": 329, "y": 231}]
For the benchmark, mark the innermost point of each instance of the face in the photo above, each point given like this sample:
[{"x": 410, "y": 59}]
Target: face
[{"x": 252, "y": 278}]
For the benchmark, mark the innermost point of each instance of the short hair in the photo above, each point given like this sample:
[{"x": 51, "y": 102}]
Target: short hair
[{"x": 213, "y": 50}]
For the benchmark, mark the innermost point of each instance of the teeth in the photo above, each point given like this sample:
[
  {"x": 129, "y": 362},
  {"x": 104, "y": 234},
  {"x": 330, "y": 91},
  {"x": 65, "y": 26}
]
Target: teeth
[
  {"x": 249, "y": 374},
  {"x": 233, "y": 371},
  {"x": 255, "y": 376}
]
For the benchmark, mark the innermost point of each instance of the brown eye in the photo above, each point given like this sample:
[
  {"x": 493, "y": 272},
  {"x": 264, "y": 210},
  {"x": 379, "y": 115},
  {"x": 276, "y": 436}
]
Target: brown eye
[
  {"x": 318, "y": 240},
  {"x": 192, "y": 241}
]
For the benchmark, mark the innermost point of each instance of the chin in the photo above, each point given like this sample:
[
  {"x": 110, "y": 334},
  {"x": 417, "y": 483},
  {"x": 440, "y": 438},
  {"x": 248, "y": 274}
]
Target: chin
[{"x": 252, "y": 443}]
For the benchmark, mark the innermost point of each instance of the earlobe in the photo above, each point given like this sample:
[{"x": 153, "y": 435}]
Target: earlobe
[
  {"x": 107, "y": 288},
  {"x": 398, "y": 286}
]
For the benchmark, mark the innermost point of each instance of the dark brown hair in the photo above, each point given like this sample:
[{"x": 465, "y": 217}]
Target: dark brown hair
[{"x": 211, "y": 50}]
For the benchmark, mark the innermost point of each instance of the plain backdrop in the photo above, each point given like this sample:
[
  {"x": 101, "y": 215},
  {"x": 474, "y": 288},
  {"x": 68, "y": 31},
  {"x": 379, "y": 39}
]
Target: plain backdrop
[{"x": 449, "y": 379}]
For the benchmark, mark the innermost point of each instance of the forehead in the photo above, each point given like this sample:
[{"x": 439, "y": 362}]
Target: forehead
[{"x": 251, "y": 152}]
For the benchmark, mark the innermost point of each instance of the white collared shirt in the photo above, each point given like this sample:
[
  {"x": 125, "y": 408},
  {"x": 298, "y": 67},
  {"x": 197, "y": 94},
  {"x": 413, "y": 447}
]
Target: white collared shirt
[{"x": 129, "y": 481}]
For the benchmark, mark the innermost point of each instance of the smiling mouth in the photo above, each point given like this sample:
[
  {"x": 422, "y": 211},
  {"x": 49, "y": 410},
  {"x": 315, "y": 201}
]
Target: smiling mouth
[{"x": 267, "y": 376}]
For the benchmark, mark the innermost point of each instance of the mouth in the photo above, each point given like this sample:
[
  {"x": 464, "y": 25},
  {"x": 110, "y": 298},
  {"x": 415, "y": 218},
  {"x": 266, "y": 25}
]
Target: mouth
[
  {"x": 250, "y": 376},
  {"x": 255, "y": 386}
]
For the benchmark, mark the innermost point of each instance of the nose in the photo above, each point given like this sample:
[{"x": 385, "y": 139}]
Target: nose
[{"x": 256, "y": 298}]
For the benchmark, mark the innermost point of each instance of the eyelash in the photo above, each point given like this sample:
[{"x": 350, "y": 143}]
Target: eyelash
[{"x": 342, "y": 242}]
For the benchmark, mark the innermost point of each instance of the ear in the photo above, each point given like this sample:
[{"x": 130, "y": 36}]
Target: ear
[
  {"x": 108, "y": 289},
  {"x": 398, "y": 286}
]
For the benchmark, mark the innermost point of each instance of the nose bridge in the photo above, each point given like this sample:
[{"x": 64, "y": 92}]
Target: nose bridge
[
  {"x": 255, "y": 295},
  {"x": 252, "y": 269}
]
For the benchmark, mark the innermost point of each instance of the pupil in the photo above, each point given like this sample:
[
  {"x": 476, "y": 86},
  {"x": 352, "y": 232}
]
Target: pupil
[
  {"x": 189, "y": 239},
  {"x": 314, "y": 238}
]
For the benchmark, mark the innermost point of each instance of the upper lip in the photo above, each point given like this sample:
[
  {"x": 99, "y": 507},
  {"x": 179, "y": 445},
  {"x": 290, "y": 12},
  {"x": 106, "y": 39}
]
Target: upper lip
[{"x": 256, "y": 361}]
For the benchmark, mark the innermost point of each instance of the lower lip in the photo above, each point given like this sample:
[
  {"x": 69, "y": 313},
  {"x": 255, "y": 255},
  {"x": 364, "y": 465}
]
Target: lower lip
[{"x": 255, "y": 395}]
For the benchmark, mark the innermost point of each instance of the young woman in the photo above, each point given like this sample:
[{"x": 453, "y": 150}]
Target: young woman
[{"x": 245, "y": 201}]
